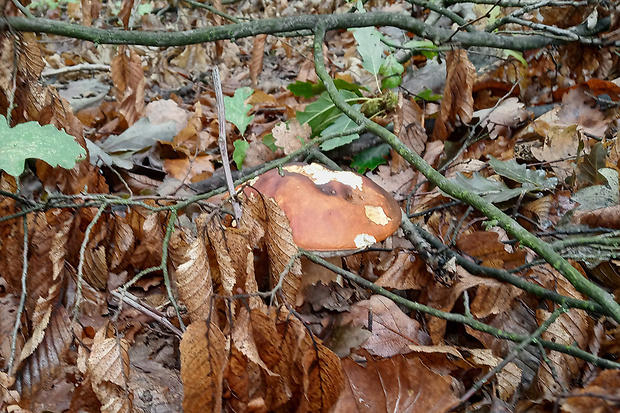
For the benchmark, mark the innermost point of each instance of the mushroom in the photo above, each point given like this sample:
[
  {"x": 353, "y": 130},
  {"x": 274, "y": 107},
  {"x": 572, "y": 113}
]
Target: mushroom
[{"x": 330, "y": 212}]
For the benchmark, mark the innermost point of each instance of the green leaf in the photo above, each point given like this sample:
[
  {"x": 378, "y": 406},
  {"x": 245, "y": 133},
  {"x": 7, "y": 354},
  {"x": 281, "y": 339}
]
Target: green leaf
[
  {"x": 270, "y": 141},
  {"x": 323, "y": 112},
  {"x": 241, "y": 149},
  {"x": 31, "y": 140},
  {"x": 416, "y": 45},
  {"x": 428, "y": 96},
  {"x": 370, "y": 47},
  {"x": 237, "y": 109},
  {"x": 519, "y": 173},
  {"x": 306, "y": 89},
  {"x": 391, "y": 70},
  {"x": 516, "y": 55},
  {"x": 370, "y": 158},
  {"x": 309, "y": 89},
  {"x": 341, "y": 125},
  {"x": 599, "y": 196}
]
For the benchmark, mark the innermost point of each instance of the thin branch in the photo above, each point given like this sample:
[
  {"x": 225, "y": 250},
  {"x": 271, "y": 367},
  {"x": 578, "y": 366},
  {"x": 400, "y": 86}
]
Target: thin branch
[{"x": 222, "y": 142}]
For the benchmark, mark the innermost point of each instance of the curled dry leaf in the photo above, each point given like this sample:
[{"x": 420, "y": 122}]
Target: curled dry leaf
[
  {"x": 409, "y": 127},
  {"x": 256, "y": 62},
  {"x": 128, "y": 79},
  {"x": 204, "y": 357},
  {"x": 458, "y": 102},
  {"x": 572, "y": 328},
  {"x": 44, "y": 365},
  {"x": 192, "y": 274},
  {"x": 108, "y": 369}
]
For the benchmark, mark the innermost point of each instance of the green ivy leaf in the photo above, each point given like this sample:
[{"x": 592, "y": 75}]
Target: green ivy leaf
[
  {"x": 370, "y": 158},
  {"x": 237, "y": 109},
  {"x": 370, "y": 47},
  {"x": 341, "y": 125},
  {"x": 31, "y": 140},
  {"x": 241, "y": 149}
]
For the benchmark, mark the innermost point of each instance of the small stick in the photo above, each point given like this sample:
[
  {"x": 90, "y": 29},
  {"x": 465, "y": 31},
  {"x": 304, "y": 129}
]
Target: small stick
[
  {"x": 133, "y": 301},
  {"x": 221, "y": 115}
]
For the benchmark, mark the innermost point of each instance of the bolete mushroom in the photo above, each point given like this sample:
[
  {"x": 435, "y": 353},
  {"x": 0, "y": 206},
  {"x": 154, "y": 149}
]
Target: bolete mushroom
[{"x": 330, "y": 212}]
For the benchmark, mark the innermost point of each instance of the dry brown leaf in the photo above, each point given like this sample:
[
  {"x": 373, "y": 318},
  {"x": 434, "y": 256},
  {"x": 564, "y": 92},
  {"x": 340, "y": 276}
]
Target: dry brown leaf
[
  {"x": 457, "y": 104},
  {"x": 256, "y": 62},
  {"x": 108, "y": 369},
  {"x": 204, "y": 357},
  {"x": 397, "y": 384},
  {"x": 500, "y": 120},
  {"x": 192, "y": 274},
  {"x": 146, "y": 226},
  {"x": 323, "y": 379},
  {"x": 129, "y": 82},
  {"x": 608, "y": 217},
  {"x": 392, "y": 330},
  {"x": 292, "y": 136},
  {"x": 406, "y": 273},
  {"x": 508, "y": 379},
  {"x": 572, "y": 328},
  {"x": 409, "y": 127},
  {"x": 606, "y": 386},
  {"x": 122, "y": 244},
  {"x": 486, "y": 247},
  {"x": 96, "y": 267},
  {"x": 39, "y": 372}
]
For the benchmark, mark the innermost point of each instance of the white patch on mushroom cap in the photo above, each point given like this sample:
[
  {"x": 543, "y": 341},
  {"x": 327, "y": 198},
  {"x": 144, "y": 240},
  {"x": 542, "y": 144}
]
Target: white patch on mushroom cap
[
  {"x": 364, "y": 240},
  {"x": 376, "y": 215},
  {"x": 321, "y": 175}
]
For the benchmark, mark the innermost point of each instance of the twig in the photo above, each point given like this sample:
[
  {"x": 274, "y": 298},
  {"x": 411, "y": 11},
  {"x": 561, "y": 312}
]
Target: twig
[
  {"x": 133, "y": 301},
  {"x": 87, "y": 67},
  {"x": 22, "y": 299},
  {"x": 221, "y": 116}
]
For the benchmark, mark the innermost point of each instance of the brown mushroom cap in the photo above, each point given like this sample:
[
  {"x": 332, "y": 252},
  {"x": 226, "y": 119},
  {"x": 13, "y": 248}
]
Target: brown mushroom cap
[{"x": 330, "y": 210}]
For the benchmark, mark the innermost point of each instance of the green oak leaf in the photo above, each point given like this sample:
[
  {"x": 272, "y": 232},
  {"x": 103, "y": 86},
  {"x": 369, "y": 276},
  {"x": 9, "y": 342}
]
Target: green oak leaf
[
  {"x": 241, "y": 149},
  {"x": 31, "y": 140},
  {"x": 341, "y": 125},
  {"x": 237, "y": 109},
  {"x": 370, "y": 47}
]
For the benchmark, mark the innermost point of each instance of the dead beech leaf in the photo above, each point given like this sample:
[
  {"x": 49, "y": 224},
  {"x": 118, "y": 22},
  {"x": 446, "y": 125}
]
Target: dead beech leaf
[
  {"x": 203, "y": 360},
  {"x": 44, "y": 365},
  {"x": 458, "y": 102},
  {"x": 96, "y": 267},
  {"x": 602, "y": 391},
  {"x": 572, "y": 328},
  {"x": 256, "y": 62},
  {"x": 486, "y": 247},
  {"x": 508, "y": 379},
  {"x": 192, "y": 274},
  {"x": 292, "y": 136},
  {"x": 129, "y": 82},
  {"x": 108, "y": 368},
  {"x": 409, "y": 127},
  {"x": 608, "y": 217},
  {"x": 406, "y": 273},
  {"x": 392, "y": 330},
  {"x": 323, "y": 379},
  {"x": 397, "y": 384},
  {"x": 122, "y": 244},
  {"x": 500, "y": 120}
]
